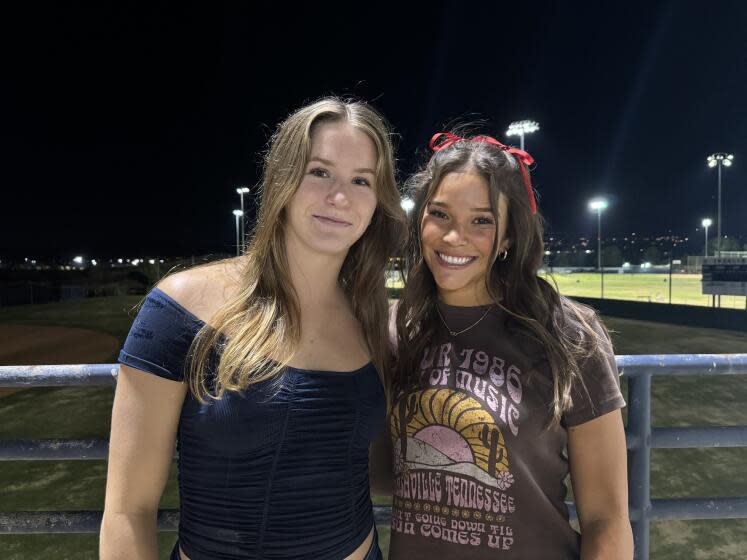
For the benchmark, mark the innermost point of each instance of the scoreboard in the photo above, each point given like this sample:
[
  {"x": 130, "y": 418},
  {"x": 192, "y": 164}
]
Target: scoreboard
[{"x": 725, "y": 276}]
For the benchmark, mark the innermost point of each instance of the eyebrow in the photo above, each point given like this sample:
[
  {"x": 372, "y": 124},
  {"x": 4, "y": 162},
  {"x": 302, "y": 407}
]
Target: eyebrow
[
  {"x": 327, "y": 162},
  {"x": 444, "y": 205}
]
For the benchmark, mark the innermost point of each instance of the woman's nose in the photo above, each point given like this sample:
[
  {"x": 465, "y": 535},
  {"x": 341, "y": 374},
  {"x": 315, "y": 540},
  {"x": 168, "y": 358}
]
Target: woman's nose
[
  {"x": 338, "y": 195},
  {"x": 454, "y": 236}
]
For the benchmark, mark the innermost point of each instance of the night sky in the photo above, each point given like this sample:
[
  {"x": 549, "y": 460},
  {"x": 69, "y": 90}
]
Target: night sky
[{"x": 126, "y": 128}]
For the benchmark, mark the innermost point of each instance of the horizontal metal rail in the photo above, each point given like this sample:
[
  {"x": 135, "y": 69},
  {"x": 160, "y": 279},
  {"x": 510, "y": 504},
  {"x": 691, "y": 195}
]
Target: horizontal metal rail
[
  {"x": 56, "y": 376},
  {"x": 32, "y": 522},
  {"x": 691, "y": 438},
  {"x": 699, "y": 508},
  {"x": 681, "y": 364},
  {"x": 629, "y": 365},
  {"x": 98, "y": 449},
  {"x": 54, "y": 449}
]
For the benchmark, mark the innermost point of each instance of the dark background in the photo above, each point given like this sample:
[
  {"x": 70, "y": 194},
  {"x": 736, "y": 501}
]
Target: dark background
[{"x": 126, "y": 127}]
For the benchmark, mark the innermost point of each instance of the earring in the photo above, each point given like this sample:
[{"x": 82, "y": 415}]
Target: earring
[{"x": 503, "y": 256}]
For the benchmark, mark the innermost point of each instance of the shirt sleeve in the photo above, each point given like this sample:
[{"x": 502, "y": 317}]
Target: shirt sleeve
[
  {"x": 160, "y": 337},
  {"x": 601, "y": 378}
]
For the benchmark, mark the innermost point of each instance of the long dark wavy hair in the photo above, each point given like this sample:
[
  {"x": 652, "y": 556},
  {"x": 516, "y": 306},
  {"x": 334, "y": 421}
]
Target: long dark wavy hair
[{"x": 562, "y": 328}]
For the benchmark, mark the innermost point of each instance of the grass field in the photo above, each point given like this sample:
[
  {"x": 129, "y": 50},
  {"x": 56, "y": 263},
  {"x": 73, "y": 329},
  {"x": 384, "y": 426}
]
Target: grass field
[
  {"x": 654, "y": 288},
  {"x": 84, "y": 412},
  {"x": 686, "y": 288}
]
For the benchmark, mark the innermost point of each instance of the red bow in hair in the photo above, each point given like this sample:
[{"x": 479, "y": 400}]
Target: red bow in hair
[{"x": 443, "y": 140}]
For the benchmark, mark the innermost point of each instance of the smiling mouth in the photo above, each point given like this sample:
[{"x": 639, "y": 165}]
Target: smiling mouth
[
  {"x": 453, "y": 261},
  {"x": 332, "y": 221}
]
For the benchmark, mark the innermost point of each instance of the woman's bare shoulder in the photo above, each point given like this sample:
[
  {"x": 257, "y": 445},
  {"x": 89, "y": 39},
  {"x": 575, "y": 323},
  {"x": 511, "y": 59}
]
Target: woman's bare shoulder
[{"x": 202, "y": 290}]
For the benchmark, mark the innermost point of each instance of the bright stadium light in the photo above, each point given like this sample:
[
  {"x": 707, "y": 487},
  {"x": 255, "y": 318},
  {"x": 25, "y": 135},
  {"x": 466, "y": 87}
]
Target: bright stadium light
[
  {"x": 719, "y": 159},
  {"x": 522, "y": 128},
  {"x": 407, "y": 204},
  {"x": 78, "y": 260},
  {"x": 238, "y": 214},
  {"x": 241, "y": 191},
  {"x": 706, "y": 223},
  {"x": 598, "y": 205}
]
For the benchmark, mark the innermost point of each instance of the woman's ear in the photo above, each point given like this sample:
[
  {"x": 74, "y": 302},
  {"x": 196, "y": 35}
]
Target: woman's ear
[{"x": 505, "y": 244}]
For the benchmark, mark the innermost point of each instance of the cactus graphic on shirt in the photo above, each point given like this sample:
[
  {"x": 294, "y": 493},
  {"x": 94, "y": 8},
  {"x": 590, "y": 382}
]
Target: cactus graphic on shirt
[
  {"x": 490, "y": 438},
  {"x": 442, "y": 426}
]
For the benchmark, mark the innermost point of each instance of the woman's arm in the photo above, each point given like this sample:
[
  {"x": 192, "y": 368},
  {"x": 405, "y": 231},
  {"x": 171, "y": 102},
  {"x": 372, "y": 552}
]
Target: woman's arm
[
  {"x": 145, "y": 416},
  {"x": 598, "y": 465}
]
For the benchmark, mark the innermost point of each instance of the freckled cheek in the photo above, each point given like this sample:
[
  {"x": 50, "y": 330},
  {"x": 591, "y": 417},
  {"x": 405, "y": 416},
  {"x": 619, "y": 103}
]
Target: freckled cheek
[
  {"x": 430, "y": 234},
  {"x": 305, "y": 195},
  {"x": 483, "y": 241},
  {"x": 367, "y": 202}
]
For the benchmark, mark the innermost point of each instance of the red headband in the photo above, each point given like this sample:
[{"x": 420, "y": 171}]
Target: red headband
[{"x": 443, "y": 140}]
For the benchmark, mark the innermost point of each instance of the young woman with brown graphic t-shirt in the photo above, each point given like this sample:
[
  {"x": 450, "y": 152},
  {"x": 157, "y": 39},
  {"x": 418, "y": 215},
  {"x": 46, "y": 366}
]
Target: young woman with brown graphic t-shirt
[{"x": 502, "y": 387}]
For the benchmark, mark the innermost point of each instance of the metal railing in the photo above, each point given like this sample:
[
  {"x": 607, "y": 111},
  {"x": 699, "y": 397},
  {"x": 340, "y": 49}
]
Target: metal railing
[{"x": 641, "y": 439}]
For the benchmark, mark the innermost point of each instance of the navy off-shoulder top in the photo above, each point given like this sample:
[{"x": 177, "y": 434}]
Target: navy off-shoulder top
[{"x": 278, "y": 471}]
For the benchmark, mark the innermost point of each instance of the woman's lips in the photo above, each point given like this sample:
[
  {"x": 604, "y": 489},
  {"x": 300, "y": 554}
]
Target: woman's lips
[
  {"x": 332, "y": 221},
  {"x": 454, "y": 262}
]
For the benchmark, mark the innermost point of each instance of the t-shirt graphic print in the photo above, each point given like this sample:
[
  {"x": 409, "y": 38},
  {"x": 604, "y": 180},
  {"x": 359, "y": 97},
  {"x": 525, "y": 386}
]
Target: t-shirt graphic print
[{"x": 477, "y": 474}]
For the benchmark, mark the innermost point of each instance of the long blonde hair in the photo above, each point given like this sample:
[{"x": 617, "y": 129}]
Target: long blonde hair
[{"x": 257, "y": 332}]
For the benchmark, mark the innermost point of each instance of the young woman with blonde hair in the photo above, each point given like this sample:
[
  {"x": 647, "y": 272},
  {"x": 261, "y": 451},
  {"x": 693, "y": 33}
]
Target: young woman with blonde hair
[
  {"x": 497, "y": 377},
  {"x": 265, "y": 368}
]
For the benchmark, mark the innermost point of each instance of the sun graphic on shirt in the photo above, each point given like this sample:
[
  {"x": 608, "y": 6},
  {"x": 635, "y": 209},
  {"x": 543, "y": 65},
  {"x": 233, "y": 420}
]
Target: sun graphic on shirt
[{"x": 446, "y": 429}]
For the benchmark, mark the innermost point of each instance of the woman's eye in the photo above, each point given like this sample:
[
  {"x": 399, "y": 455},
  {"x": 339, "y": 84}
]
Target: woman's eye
[
  {"x": 484, "y": 221},
  {"x": 362, "y": 181},
  {"x": 437, "y": 213},
  {"x": 319, "y": 172}
]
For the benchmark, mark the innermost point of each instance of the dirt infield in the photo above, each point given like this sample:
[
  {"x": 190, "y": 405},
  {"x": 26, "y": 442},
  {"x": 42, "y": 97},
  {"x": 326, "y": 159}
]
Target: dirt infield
[{"x": 39, "y": 345}]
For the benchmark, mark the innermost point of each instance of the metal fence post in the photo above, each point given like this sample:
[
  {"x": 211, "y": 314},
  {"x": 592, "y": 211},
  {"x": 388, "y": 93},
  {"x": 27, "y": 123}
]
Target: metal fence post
[{"x": 639, "y": 460}]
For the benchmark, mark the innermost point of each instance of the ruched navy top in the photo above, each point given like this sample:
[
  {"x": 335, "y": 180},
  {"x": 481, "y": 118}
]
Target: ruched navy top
[{"x": 278, "y": 471}]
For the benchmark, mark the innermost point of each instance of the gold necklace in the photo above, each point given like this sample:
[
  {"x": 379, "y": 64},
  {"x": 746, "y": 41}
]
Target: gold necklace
[{"x": 456, "y": 333}]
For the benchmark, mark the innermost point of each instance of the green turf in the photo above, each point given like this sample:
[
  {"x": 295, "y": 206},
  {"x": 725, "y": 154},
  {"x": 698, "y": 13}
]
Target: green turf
[
  {"x": 112, "y": 315},
  {"x": 686, "y": 288},
  {"x": 653, "y": 288},
  {"x": 84, "y": 412}
]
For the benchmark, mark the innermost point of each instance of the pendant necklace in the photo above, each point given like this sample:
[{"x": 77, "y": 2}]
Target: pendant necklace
[{"x": 456, "y": 333}]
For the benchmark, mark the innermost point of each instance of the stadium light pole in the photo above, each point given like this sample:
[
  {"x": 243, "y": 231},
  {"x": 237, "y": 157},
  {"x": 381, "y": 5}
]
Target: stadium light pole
[
  {"x": 521, "y": 128},
  {"x": 238, "y": 214},
  {"x": 719, "y": 160},
  {"x": 241, "y": 191},
  {"x": 598, "y": 205},
  {"x": 706, "y": 223}
]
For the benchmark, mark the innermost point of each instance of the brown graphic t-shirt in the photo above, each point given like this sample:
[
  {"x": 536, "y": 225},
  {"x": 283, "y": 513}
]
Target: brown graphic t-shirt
[{"x": 477, "y": 473}]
